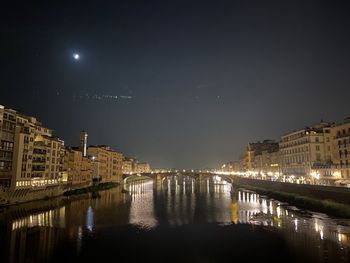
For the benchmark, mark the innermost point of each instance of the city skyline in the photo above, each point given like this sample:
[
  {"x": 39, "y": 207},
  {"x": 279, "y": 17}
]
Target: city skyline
[{"x": 177, "y": 84}]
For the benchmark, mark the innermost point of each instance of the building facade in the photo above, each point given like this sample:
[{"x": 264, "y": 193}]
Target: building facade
[
  {"x": 254, "y": 149},
  {"x": 30, "y": 156},
  {"x": 128, "y": 165},
  {"x": 107, "y": 163},
  {"x": 231, "y": 167},
  {"x": 341, "y": 148},
  {"x": 267, "y": 164},
  {"x": 77, "y": 168},
  {"x": 142, "y": 168},
  {"x": 306, "y": 149}
]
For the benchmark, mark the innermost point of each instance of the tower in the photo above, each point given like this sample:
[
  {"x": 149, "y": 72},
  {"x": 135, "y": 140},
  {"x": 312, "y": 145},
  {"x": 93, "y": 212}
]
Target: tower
[{"x": 83, "y": 142}]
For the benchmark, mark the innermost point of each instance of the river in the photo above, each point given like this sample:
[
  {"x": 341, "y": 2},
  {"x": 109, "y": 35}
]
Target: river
[{"x": 178, "y": 220}]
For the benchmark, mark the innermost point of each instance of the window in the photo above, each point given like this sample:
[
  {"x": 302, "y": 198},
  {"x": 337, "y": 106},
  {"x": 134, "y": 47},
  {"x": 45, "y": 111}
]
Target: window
[
  {"x": 316, "y": 139},
  {"x": 317, "y": 147}
]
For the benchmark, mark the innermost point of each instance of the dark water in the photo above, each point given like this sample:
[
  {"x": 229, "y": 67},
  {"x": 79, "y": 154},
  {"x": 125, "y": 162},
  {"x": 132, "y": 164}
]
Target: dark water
[{"x": 176, "y": 221}]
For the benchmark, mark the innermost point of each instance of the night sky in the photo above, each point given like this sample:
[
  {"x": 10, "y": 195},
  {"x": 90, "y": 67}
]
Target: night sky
[{"x": 182, "y": 84}]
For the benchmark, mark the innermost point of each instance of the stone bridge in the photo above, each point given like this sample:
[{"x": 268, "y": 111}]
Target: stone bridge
[{"x": 160, "y": 177}]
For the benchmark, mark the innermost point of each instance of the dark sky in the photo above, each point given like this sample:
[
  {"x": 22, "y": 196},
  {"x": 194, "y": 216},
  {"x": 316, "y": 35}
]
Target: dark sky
[{"x": 195, "y": 80}]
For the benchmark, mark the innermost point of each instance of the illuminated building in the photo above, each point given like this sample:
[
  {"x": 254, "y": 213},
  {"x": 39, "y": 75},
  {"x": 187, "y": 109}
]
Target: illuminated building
[
  {"x": 267, "y": 163},
  {"x": 305, "y": 149},
  {"x": 230, "y": 167},
  {"x": 128, "y": 165},
  {"x": 30, "y": 156},
  {"x": 77, "y": 167},
  {"x": 341, "y": 148},
  {"x": 253, "y": 149},
  {"x": 142, "y": 168},
  {"x": 107, "y": 163}
]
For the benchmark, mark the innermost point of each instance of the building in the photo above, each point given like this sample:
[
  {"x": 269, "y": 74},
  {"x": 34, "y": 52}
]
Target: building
[
  {"x": 107, "y": 163},
  {"x": 77, "y": 168},
  {"x": 128, "y": 165},
  {"x": 142, "y": 168},
  {"x": 30, "y": 156},
  {"x": 306, "y": 149},
  {"x": 341, "y": 148},
  {"x": 253, "y": 149},
  {"x": 267, "y": 163},
  {"x": 231, "y": 167}
]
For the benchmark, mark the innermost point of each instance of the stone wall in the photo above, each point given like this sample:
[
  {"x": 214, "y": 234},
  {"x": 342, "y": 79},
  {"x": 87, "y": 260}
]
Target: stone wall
[{"x": 338, "y": 194}]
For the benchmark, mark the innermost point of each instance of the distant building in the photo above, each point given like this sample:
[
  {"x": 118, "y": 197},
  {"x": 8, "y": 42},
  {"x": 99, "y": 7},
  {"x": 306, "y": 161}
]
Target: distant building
[
  {"x": 30, "y": 156},
  {"x": 267, "y": 163},
  {"x": 305, "y": 149},
  {"x": 230, "y": 167},
  {"x": 256, "y": 148},
  {"x": 142, "y": 168},
  {"x": 107, "y": 163},
  {"x": 128, "y": 165},
  {"x": 77, "y": 168}
]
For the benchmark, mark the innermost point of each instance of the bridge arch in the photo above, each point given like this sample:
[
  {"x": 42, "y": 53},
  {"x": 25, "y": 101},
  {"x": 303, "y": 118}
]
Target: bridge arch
[{"x": 133, "y": 176}]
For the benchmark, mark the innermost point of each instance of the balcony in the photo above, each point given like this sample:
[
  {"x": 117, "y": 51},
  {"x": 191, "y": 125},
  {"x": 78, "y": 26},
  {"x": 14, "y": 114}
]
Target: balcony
[
  {"x": 38, "y": 168},
  {"x": 39, "y": 160},
  {"x": 342, "y": 135},
  {"x": 39, "y": 151}
]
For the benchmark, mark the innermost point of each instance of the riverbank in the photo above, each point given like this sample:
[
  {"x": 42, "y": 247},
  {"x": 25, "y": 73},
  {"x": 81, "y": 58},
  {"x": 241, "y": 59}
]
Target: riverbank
[
  {"x": 324, "y": 206},
  {"x": 92, "y": 188}
]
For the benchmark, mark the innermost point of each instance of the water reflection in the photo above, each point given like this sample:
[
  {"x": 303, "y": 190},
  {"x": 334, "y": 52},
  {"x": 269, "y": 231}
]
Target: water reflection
[
  {"x": 51, "y": 218},
  {"x": 258, "y": 210},
  {"x": 37, "y": 229},
  {"x": 141, "y": 209},
  {"x": 38, "y": 234}
]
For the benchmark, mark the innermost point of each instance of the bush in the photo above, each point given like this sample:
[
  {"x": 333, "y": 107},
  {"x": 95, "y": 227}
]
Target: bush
[{"x": 93, "y": 188}]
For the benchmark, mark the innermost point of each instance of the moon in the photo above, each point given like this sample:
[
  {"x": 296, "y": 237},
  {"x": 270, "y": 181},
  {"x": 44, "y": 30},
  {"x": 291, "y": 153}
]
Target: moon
[{"x": 76, "y": 56}]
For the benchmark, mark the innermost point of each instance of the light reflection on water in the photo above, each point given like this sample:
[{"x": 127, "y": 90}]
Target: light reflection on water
[
  {"x": 217, "y": 202},
  {"x": 141, "y": 209},
  {"x": 174, "y": 201}
]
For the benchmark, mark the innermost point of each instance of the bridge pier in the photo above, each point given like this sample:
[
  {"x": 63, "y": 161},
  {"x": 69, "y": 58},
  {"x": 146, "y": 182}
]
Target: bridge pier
[{"x": 157, "y": 182}]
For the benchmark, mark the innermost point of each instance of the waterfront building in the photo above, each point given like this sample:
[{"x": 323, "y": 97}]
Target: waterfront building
[
  {"x": 107, "y": 163},
  {"x": 341, "y": 148},
  {"x": 142, "y": 168},
  {"x": 254, "y": 149},
  {"x": 243, "y": 162},
  {"x": 77, "y": 168},
  {"x": 231, "y": 167},
  {"x": 128, "y": 165},
  {"x": 305, "y": 149},
  {"x": 30, "y": 156},
  {"x": 267, "y": 163}
]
